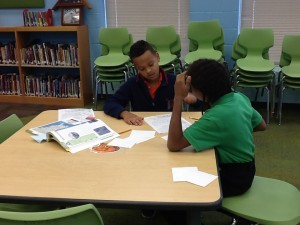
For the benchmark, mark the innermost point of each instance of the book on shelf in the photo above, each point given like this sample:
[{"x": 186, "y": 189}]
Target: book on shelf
[{"x": 74, "y": 135}]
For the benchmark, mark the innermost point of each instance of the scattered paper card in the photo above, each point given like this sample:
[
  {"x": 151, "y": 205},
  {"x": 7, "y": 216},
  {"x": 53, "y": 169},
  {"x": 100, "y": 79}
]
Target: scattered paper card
[
  {"x": 135, "y": 137},
  {"x": 192, "y": 175}
]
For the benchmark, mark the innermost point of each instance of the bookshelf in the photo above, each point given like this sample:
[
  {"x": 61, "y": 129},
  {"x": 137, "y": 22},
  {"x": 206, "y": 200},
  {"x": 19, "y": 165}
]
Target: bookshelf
[{"x": 37, "y": 71}]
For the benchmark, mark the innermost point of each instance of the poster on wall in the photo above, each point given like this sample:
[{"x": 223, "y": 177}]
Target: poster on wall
[{"x": 22, "y": 4}]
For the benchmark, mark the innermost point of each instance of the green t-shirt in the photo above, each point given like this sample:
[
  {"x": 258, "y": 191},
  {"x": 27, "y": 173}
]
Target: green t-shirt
[{"x": 228, "y": 127}]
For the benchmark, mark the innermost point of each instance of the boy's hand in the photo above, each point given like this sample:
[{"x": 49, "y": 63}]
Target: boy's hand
[
  {"x": 131, "y": 118},
  {"x": 182, "y": 85}
]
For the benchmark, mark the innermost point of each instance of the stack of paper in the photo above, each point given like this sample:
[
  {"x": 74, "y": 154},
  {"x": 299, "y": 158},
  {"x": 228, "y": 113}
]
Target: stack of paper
[
  {"x": 192, "y": 175},
  {"x": 136, "y": 136}
]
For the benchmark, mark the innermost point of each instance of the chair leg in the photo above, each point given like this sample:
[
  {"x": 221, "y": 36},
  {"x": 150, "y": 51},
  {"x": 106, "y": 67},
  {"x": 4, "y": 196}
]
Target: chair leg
[{"x": 268, "y": 105}]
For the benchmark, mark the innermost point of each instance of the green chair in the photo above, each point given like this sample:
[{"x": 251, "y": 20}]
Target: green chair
[
  {"x": 79, "y": 215},
  {"x": 253, "y": 68},
  {"x": 9, "y": 126},
  {"x": 166, "y": 42},
  {"x": 206, "y": 35},
  {"x": 268, "y": 201},
  {"x": 290, "y": 67},
  {"x": 113, "y": 65}
]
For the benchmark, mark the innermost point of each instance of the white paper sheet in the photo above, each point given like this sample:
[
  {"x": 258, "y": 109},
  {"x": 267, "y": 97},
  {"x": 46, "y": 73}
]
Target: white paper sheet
[
  {"x": 192, "y": 175},
  {"x": 79, "y": 114},
  {"x": 161, "y": 123}
]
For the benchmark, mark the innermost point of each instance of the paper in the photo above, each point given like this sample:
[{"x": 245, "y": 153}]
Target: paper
[
  {"x": 79, "y": 114},
  {"x": 161, "y": 123},
  {"x": 179, "y": 173},
  {"x": 192, "y": 175},
  {"x": 135, "y": 137}
]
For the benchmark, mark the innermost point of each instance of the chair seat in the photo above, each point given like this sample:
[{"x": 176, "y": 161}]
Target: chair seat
[
  {"x": 112, "y": 60},
  {"x": 255, "y": 64},
  {"x": 203, "y": 54},
  {"x": 291, "y": 70},
  {"x": 268, "y": 201}
]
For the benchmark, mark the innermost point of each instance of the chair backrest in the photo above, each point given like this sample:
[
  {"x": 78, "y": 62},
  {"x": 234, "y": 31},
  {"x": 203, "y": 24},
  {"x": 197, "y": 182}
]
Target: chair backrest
[
  {"x": 85, "y": 214},
  {"x": 205, "y": 33},
  {"x": 9, "y": 126},
  {"x": 290, "y": 49},
  {"x": 162, "y": 38},
  {"x": 114, "y": 38},
  {"x": 238, "y": 51},
  {"x": 256, "y": 41},
  {"x": 176, "y": 47},
  {"x": 126, "y": 48}
]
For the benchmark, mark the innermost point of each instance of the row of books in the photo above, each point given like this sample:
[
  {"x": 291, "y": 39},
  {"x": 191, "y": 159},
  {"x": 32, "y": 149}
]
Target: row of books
[
  {"x": 8, "y": 53},
  {"x": 52, "y": 86},
  {"x": 10, "y": 84},
  {"x": 44, "y": 85},
  {"x": 37, "y": 19},
  {"x": 50, "y": 54}
]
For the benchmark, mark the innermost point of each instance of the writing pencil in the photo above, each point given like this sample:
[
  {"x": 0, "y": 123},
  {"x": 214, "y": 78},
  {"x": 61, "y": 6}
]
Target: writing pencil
[{"x": 124, "y": 131}]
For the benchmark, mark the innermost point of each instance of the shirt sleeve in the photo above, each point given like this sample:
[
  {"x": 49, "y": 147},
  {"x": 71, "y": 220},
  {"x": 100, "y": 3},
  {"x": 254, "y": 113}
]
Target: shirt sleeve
[
  {"x": 256, "y": 118},
  {"x": 116, "y": 104},
  {"x": 202, "y": 134}
]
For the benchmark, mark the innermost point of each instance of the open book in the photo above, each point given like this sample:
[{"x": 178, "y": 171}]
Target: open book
[{"x": 74, "y": 136}]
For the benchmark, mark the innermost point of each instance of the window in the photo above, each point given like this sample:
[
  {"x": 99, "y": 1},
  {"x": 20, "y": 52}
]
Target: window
[
  {"x": 281, "y": 16},
  {"x": 138, "y": 15}
]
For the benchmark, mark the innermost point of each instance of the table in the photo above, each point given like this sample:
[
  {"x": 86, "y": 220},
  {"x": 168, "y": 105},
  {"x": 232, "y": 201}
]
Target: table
[{"x": 136, "y": 177}]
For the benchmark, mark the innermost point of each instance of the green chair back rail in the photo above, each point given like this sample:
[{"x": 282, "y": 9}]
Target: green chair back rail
[
  {"x": 166, "y": 42},
  {"x": 206, "y": 40},
  {"x": 80, "y": 215},
  {"x": 290, "y": 68},
  {"x": 268, "y": 201},
  {"x": 9, "y": 126}
]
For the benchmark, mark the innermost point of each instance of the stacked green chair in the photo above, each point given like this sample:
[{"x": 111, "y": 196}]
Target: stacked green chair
[
  {"x": 254, "y": 69},
  {"x": 166, "y": 42},
  {"x": 113, "y": 65},
  {"x": 206, "y": 40},
  {"x": 79, "y": 215},
  {"x": 268, "y": 201},
  {"x": 290, "y": 67}
]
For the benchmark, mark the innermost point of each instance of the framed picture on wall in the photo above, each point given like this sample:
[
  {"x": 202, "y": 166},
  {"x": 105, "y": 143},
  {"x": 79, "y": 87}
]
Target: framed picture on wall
[{"x": 71, "y": 16}]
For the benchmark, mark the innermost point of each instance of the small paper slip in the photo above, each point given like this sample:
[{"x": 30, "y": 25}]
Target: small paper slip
[
  {"x": 136, "y": 136},
  {"x": 124, "y": 143},
  {"x": 200, "y": 178},
  {"x": 141, "y": 135},
  {"x": 192, "y": 175},
  {"x": 180, "y": 173}
]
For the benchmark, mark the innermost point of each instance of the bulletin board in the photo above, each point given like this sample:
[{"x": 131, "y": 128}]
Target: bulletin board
[{"x": 22, "y": 4}]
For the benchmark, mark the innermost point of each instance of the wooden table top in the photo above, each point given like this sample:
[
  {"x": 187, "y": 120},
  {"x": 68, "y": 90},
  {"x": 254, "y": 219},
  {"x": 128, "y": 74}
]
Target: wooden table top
[{"x": 139, "y": 176}]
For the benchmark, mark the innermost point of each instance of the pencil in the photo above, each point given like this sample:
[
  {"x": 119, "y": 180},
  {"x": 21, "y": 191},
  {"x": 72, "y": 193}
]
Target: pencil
[
  {"x": 124, "y": 131},
  {"x": 193, "y": 118}
]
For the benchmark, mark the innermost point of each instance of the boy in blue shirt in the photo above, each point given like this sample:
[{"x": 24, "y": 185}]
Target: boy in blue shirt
[{"x": 151, "y": 90}]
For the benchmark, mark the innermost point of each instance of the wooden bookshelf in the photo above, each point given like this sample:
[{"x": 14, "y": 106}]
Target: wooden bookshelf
[{"x": 79, "y": 73}]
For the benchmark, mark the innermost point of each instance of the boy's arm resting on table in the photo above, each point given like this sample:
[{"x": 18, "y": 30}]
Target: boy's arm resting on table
[
  {"x": 260, "y": 127},
  {"x": 131, "y": 118},
  {"x": 176, "y": 140},
  {"x": 117, "y": 103}
]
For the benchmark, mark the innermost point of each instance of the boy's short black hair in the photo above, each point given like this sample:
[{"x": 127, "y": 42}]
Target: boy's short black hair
[
  {"x": 211, "y": 78},
  {"x": 139, "y": 48}
]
